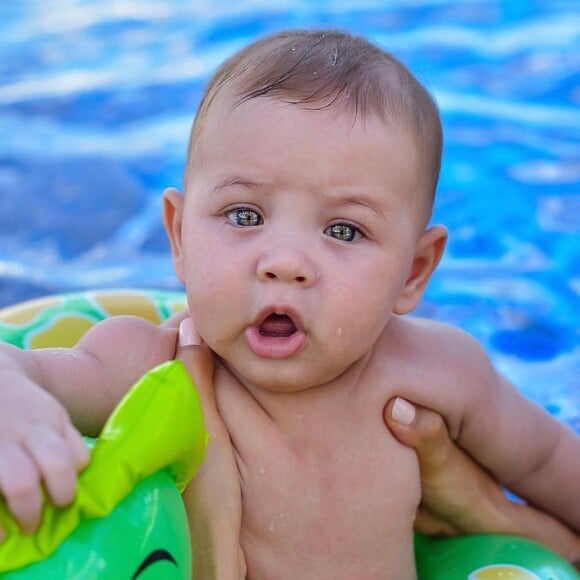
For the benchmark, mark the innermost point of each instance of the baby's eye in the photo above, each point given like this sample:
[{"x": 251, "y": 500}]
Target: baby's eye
[
  {"x": 244, "y": 217},
  {"x": 344, "y": 232}
]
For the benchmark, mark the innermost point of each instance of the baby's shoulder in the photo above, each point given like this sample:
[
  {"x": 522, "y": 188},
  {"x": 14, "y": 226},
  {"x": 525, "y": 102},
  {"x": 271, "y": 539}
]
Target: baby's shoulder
[
  {"x": 426, "y": 338},
  {"x": 432, "y": 363}
]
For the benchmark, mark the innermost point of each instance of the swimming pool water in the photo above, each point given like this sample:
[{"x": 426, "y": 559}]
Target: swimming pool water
[{"x": 96, "y": 101}]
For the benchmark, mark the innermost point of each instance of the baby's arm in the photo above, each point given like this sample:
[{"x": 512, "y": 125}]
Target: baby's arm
[
  {"x": 525, "y": 448},
  {"x": 530, "y": 452},
  {"x": 43, "y": 391}
]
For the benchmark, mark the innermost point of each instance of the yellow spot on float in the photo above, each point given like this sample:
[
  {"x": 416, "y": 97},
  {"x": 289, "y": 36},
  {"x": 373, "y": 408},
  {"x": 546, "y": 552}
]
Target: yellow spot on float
[
  {"x": 129, "y": 303},
  {"x": 503, "y": 572},
  {"x": 177, "y": 306},
  {"x": 26, "y": 312},
  {"x": 65, "y": 331}
]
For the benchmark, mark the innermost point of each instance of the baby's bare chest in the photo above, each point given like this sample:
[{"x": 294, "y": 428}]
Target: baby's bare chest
[
  {"x": 338, "y": 502},
  {"x": 369, "y": 481}
]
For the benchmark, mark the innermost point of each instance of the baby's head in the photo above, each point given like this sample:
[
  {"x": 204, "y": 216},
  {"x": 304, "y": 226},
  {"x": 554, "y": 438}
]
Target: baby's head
[
  {"x": 330, "y": 69},
  {"x": 310, "y": 180}
]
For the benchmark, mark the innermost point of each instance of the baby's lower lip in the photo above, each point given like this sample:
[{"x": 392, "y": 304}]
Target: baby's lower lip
[{"x": 274, "y": 346}]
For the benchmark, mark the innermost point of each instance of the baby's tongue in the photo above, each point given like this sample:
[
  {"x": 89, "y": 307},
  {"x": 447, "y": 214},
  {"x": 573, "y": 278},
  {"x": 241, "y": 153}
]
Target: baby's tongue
[{"x": 277, "y": 325}]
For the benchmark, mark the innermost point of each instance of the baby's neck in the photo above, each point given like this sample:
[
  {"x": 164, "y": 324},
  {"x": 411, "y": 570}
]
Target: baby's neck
[{"x": 290, "y": 410}]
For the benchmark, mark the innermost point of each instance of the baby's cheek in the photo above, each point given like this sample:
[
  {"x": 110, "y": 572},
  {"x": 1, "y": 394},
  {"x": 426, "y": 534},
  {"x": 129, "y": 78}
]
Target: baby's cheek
[{"x": 214, "y": 309}]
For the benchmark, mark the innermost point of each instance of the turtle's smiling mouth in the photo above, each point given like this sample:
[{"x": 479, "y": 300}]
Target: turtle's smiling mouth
[{"x": 152, "y": 558}]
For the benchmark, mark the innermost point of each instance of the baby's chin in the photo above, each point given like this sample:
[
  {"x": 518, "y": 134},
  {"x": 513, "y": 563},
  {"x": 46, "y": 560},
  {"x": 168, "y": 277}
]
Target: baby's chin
[{"x": 283, "y": 376}]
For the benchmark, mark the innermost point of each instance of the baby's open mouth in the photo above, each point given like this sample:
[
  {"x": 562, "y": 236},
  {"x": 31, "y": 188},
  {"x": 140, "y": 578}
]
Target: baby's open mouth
[
  {"x": 276, "y": 335},
  {"x": 277, "y": 326}
]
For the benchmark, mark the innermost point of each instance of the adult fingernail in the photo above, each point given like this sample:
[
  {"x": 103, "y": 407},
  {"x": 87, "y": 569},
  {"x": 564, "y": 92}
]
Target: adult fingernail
[
  {"x": 403, "y": 412},
  {"x": 188, "y": 335}
]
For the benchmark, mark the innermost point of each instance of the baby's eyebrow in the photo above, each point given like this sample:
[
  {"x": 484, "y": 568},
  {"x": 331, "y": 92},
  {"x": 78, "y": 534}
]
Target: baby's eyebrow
[
  {"x": 231, "y": 181},
  {"x": 358, "y": 200}
]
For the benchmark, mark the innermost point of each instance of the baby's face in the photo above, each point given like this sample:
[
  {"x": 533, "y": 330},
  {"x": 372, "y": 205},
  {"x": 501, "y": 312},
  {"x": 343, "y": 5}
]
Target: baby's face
[{"x": 299, "y": 231}]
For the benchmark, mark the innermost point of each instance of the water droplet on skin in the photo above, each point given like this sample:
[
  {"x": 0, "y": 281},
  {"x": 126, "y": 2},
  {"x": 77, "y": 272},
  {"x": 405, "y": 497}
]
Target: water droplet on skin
[
  {"x": 272, "y": 527},
  {"x": 339, "y": 331},
  {"x": 262, "y": 471}
]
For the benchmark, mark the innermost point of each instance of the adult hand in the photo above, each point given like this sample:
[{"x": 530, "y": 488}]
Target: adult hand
[
  {"x": 213, "y": 499},
  {"x": 459, "y": 496}
]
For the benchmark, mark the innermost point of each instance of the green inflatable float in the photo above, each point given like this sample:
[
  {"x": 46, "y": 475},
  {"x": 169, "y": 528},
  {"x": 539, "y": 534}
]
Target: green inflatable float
[{"x": 128, "y": 521}]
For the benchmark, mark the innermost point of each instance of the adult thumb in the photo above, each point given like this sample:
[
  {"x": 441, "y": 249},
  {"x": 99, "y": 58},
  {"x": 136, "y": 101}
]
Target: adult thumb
[
  {"x": 197, "y": 357},
  {"x": 422, "y": 429}
]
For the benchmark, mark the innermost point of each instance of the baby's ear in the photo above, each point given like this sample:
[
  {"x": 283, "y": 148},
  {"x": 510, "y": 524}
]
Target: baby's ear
[
  {"x": 429, "y": 251},
  {"x": 172, "y": 219}
]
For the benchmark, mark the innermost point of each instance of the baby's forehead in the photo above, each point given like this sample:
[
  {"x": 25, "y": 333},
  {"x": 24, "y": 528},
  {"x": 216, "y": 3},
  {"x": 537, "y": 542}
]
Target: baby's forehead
[
  {"x": 231, "y": 102},
  {"x": 237, "y": 131}
]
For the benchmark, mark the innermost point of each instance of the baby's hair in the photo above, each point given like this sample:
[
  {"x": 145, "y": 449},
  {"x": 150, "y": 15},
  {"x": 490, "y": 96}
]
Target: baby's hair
[{"x": 319, "y": 69}]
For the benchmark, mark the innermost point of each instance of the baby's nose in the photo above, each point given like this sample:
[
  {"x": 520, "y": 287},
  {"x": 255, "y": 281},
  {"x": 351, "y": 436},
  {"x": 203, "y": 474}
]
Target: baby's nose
[{"x": 288, "y": 265}]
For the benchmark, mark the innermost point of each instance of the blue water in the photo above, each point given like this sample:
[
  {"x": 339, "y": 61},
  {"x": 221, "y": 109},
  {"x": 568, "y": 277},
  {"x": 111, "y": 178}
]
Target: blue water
[{"x": 96, "y": 101}]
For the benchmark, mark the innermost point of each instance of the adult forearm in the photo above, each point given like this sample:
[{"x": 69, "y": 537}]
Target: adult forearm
[{"x": 215, "y": 535}]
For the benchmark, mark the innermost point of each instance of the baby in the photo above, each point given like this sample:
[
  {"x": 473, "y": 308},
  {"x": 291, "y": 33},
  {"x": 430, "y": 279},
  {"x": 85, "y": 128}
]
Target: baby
[{"x": 303, "y": 239}]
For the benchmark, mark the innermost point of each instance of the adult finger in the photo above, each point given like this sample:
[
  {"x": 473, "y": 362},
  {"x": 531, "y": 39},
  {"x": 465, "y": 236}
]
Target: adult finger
[
  {"x": 422, "y": 429},
  {"x": 198, "y": 359},
  {"x": 431, "y": 525}
]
